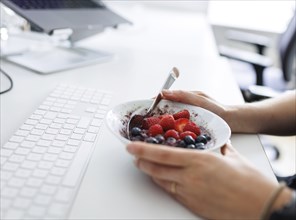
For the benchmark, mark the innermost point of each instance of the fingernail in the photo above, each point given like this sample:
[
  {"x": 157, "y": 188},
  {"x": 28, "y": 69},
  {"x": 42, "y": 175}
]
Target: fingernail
[{"x": 130, "y": 148}]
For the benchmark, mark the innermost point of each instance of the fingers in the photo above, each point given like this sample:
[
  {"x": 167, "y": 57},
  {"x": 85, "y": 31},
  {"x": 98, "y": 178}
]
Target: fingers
[
  {"x": 167, "y": 185},
  {"x": 228, "y": 149},
  {"x": 187, "y": 97},
  {"x": 162, "y": 172},
  {"x": 160, "y": 154}
]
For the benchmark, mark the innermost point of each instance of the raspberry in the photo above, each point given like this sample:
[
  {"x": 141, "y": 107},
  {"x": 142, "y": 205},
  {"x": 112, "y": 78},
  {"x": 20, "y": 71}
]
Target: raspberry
[
  {"x": 182, "y": 114},
  {"x": 192, "y": 127},
  {"x": 172, "y": 133},
  {"x": 185, "y": 133},
  {"x": 148, "y": 122},
  {"x": 167, "y": 122},
  {"x": 180, "y": 124},
  {"x": 155, "y": 130}
]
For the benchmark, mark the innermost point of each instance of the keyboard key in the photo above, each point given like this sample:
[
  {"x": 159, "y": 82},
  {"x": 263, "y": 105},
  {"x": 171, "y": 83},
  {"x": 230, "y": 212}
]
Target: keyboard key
[
  {"x": 90, "y": 137},
  {"x": 78, "y": 165},
  {"x": 32, "y": 138},
  {"x": 22, "y": 203},
  {"x": 30, "y": 164},
  {"x": 48, "y": 189},
  {"x": 83, "y": 123},
  {"x": 10, "y": 145},
  {"x": 23, "y": 133},
  {"x": 28, "y": 192},
  {"x": 28, "y": 144},
  {"x": 6, "y": 152},
  {"x": 16, "y": 139}
]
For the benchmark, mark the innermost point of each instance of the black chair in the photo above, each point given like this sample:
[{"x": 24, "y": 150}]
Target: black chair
[{"x": 275, "y": 80}]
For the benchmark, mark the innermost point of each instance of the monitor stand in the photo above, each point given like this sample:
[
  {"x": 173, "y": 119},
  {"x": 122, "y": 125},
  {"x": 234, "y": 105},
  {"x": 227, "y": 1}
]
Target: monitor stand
[{"x": 57, "y": 59}]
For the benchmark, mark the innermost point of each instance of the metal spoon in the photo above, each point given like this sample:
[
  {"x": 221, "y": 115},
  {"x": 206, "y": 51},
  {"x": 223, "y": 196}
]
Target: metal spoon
[{"x": 137, "y": 119}]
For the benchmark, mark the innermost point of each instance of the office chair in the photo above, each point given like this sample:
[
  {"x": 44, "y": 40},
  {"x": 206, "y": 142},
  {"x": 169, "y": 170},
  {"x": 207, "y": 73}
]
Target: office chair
[
  {"x": 275, "y": 80},
  {"x": 268, "y": 81}
]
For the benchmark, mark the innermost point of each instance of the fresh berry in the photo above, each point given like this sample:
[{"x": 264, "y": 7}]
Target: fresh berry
[
  {"x": 180, "y": 124},
  {"x": 171, "y": 141},
  {"x": 167, "y": 122},
  {"x": 181, "y": 144},
  {"x": 190, "y": 146},
  {"x": 171, "y": 133},
  {"x": 155, "y": 130},
  {"x": 185, "y": 133},
  {"x": 201, "y": 139},
  {"x": 191, "y": 126},
  {"x": 189, "y": 140},
  {"x": 208, "y": 137},
  {"x": 148, "y": 122},
  {"x": 182, "y": 114},
  {"x": 200, "y": 146},
  {"x": 159, "y": 138},
  {"x": 151, "y": 140},
  {"x": 136, "y": 138},
  {"x": 136, "y": 131}
]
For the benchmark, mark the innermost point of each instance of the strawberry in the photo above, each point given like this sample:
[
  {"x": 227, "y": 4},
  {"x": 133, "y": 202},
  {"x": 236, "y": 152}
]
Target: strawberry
[
  {"x": 191, "y": 126},
  {"x": 148, "y": 122},
  {"x": 182, "y": 114},
  {"x": 167, "y": 122},
  {"x": 172, "y": 133},
  {"x": 180, "y": 124},
  {"x": 155, "y": 130},
  {"x": 185, "y": 133}
]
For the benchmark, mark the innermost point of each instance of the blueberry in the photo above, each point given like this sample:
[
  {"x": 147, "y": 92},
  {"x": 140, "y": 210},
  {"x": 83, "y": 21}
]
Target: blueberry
[
  {"x": 136, "y": 131},
  {"x": 200, "y": 146},
  {"x": 181, "y": 144},
  {"x": 208, "y": 137},
  {"x": 201, "y": 139},
  {"x": 189, "y": 140},
  {"x": 144, "y": 135},
  {"x": 136, "y": 138},
  {"x": 151, "y": 140},
  {"x": 159, "y": 138},
  {"x": 171, "y": 141},
  {"x": 190, "y": 146}
]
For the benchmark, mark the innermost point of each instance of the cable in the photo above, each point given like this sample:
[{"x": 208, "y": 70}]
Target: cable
[{"x": 10, "y": 80}]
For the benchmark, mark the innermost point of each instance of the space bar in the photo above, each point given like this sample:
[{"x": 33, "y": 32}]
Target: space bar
[{"x": 79, "y": 163}]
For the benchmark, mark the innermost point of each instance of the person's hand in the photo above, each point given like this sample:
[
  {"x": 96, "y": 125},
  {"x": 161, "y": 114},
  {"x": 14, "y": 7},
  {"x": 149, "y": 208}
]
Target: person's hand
[
  {"x": 196, "y": 98},
  {"x": 213, "y": 186}
]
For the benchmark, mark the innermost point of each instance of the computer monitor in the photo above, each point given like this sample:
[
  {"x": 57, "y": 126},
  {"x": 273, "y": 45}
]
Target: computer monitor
[{"x": 82, "y": 17}]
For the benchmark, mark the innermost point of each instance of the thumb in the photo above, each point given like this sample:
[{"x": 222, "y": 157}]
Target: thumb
[{"x": 228, "y": 150}]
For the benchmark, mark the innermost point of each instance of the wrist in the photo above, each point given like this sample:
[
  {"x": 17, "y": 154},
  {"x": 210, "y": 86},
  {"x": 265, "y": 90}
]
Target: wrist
[{"x": 283, "y": 199}]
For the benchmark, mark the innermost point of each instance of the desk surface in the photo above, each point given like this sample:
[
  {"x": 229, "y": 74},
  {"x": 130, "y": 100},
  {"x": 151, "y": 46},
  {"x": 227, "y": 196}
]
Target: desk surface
[{"x": 112, "y": 187}]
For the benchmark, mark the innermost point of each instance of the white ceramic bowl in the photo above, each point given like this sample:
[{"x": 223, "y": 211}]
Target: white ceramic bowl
[{"x": 118, "y": 117}]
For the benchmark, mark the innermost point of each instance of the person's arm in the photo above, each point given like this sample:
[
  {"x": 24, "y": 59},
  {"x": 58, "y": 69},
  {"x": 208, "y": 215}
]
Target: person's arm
[{"x": 271, "y": 116}]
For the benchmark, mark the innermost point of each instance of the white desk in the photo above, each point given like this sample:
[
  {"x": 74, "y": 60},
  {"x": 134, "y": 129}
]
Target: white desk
[{"x": 112, "y": 187}]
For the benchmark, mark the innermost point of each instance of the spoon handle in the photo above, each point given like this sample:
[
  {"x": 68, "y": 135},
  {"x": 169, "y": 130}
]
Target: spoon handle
[{"x": 173, "y": 75}]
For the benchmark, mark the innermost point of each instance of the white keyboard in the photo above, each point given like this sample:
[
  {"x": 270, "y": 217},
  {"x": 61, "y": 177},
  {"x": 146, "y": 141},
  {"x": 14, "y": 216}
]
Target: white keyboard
[{"x": 43, "y": 163}]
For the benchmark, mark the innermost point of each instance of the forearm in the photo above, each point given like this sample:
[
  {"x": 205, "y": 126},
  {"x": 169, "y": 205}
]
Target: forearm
[{"x": 272, "y": 116}]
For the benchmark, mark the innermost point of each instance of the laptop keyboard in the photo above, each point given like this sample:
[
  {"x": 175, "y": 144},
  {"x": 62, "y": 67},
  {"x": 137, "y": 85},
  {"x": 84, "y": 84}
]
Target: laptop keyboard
[
  {"x": 43, "y": 163},
  {"x": 57, "y": 4}
]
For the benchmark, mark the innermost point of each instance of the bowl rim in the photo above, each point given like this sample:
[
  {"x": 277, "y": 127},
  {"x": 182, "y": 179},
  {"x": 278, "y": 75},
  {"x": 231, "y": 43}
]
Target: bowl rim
[{"x": 140, "y": 101}]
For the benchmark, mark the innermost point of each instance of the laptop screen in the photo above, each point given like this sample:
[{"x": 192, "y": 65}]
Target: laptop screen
[{"x": 57, "y": 4}]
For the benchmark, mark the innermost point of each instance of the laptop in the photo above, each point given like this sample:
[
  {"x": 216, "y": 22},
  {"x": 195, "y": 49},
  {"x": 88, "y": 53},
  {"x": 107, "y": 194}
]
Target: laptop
[
  {"x": 84, "y": 17},
  {"x": 76, "y": 18}
]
